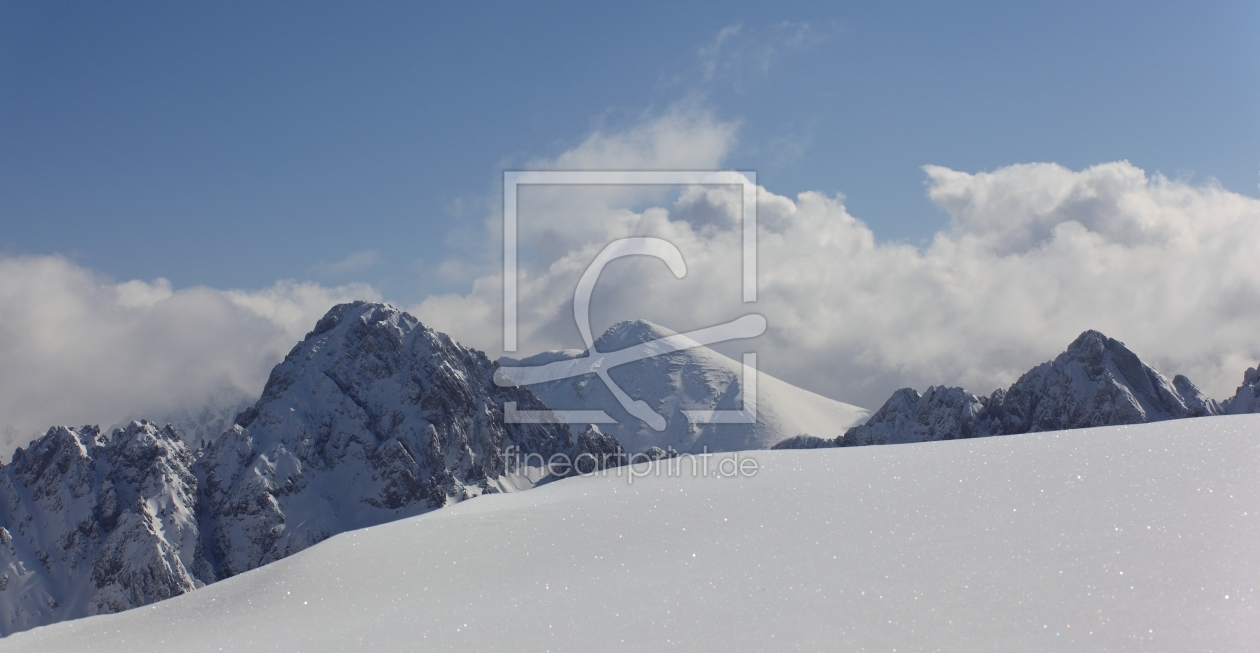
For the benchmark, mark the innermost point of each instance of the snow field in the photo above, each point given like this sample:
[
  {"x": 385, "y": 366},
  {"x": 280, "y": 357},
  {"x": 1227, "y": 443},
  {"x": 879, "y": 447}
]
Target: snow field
[{"x": 1138, "y": 538}]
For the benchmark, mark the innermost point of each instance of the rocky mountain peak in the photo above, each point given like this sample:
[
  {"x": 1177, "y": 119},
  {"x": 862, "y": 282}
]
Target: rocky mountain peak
[
  {"x": 1092, "y": 344},
  {"x": 940, "y": 413},
  {"x": 91, "y": 524},
  {"x": 370, "y": 418},
  {"x": 1100, "y": 357},
  {"x": 629, "y": 333},
  {"x": 596, "y": 450},
  {"x": 1247, "y": 397},
  {"x": 365, "y": 313},
  {"x": 1096, "y": 381}
]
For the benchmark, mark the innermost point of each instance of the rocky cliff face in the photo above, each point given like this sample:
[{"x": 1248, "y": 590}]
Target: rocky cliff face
[
  {"x": 372, "y": 417},
  {"x": 1247, "y": 398},
  {"x": 1097, "y": 381},
  {"x": 91, "y": 524},
  {"x": 939, "y": 414},
  {"x": 596, "y": 450},
  {"x": 805, "y": 442}
]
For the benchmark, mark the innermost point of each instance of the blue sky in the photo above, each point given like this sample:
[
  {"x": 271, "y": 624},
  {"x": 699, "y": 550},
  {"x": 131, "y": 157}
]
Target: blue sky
[{"x": 233, "y": 144}]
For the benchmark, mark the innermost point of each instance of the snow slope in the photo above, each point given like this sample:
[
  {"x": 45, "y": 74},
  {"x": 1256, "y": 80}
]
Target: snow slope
[
  {"x": 692, "y": 379},
  {"x": 1126, "y": 538}
]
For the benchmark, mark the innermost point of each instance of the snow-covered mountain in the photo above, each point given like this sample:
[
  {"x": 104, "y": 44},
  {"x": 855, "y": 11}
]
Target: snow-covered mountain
[
  {"x": 1247, "y": 398},
  {"x": 1129, "y": 538},
  {"x": 696, "y": 378},
  {"x": 1097, "y": 381},
  {"x": 93, "y": 524},
  {"x": 200, "y": 424},
  {"x": 372, "y": 417},
  {"x": 938, "y": 414}
]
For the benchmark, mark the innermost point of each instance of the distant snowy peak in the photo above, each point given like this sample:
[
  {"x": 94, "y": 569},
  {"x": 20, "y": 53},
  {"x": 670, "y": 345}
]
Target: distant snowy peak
[
  {"x": 940, "y": 413},
  {"x": 93, "y": 523},
  {"x": 693, "y": 379},
  {"x": 629, "y": 333},
  {"x": 1097, "y": 381},
  {"x": 1247, "y": 398}
]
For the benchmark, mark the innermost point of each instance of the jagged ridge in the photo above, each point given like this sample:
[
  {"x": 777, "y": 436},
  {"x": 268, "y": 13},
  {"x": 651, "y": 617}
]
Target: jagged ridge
[
  {"x": 1097, "y": 381},
  {"x": 372, "y": 417},
  {"x": 95, "y": 524}
]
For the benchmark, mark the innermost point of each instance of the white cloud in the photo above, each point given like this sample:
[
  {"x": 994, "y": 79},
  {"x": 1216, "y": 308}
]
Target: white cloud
[
  {"x": 1036, "y": 254},
  {"x": 76, "y": 348},
  {"x": 683, "y": 138},
  {"x": 578, "y": 221},
  {"x": 735, "y": 50}
]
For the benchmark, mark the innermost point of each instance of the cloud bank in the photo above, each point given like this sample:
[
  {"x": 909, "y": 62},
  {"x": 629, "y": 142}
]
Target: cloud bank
[
  {"x": 1034, "y": 254},
  {"x": 76, "y": 348}
]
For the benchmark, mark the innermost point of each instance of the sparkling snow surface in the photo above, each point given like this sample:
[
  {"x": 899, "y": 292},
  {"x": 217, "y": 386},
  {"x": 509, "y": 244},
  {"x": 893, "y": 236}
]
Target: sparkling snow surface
[{"x": 1139, "y": 538}]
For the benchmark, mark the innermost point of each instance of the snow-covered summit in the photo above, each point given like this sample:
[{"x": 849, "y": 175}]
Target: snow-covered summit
[
  {"x": 370, "y": 418},
  {"x": 1096, "y": 381},
  {"x": 92, "y": 523},
  {"x": 940, "y": 413},
  {"x": 691, "y": 379},
  {"x": 1247, "y": 398},
  {"x": 629, "y": 333}
]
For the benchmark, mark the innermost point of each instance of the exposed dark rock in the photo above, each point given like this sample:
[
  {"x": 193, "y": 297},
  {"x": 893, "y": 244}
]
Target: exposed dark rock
[
  {"x": 371, "y": 418},
  {"x": 95, "y": 524},
  {"x": 805, "y": 442},
  {"x": 1247, "y": 398},
  {"x": 1097, "y": 381}
]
